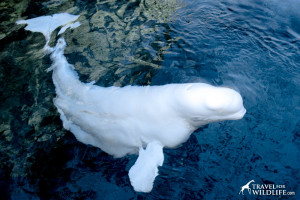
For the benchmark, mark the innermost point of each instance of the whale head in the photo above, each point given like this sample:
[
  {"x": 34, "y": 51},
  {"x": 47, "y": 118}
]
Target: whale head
[{"x": 203, "y": 103}]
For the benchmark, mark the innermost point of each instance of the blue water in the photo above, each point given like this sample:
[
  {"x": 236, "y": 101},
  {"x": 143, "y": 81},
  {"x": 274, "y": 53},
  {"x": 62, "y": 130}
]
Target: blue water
[{"x": 251, "y": 46}]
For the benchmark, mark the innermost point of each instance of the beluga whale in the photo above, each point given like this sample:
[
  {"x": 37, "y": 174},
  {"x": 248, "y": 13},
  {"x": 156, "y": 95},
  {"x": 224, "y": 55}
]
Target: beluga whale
[{"x": 127, "y": 120}]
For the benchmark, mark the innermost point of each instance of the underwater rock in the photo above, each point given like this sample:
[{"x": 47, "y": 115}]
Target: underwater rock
[{"x": 125, "y": 41}]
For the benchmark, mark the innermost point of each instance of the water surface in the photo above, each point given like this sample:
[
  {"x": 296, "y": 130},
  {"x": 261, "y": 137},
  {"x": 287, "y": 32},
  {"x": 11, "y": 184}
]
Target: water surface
[{"x": 251, "y": 46}]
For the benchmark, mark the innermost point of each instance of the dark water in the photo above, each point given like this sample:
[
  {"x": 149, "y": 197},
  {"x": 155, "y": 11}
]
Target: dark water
[{"x": 252, "y": 46}]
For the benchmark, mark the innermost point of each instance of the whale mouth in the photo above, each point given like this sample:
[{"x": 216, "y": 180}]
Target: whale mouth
[{"x": 238, "y": 115}]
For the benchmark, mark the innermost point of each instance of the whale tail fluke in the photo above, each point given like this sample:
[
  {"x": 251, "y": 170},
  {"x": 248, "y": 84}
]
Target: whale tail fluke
[{"x": 145, "y": 169}]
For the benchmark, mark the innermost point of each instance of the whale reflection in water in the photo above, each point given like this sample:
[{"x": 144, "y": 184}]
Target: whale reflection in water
[{"x": 135, "y": 119}]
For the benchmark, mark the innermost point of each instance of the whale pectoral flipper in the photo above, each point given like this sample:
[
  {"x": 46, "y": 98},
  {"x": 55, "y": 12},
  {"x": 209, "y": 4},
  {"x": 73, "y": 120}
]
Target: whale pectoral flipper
[{"x": 145, "y": 169}]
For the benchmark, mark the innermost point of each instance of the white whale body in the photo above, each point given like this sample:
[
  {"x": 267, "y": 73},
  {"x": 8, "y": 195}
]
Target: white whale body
[{"x": 137, "y": 119}]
